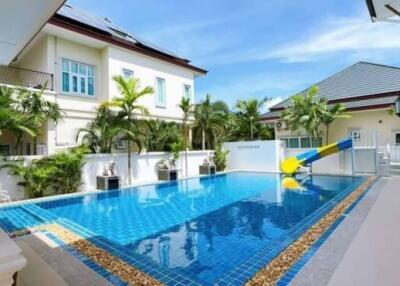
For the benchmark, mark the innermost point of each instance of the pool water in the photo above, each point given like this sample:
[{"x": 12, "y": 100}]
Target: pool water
[{"x": 200, "y": 228}]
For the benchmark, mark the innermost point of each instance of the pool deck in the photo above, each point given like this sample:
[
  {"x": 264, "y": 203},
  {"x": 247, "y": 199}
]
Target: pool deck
[{"x": 364, "y": 249}]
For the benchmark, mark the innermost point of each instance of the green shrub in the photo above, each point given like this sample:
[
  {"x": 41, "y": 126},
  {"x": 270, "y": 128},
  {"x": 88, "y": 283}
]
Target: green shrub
[
  {"x": 220, "y": 158},
  {"x": 56, "y": 174}
]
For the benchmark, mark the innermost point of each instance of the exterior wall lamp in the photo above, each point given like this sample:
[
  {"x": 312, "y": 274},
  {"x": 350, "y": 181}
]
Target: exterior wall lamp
[{"x": 397, "y": 106}]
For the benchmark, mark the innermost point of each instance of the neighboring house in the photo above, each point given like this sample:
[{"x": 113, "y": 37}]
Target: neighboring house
[
  {"x": 77, "y": 54},
  {"x": 368, "y": 91}
]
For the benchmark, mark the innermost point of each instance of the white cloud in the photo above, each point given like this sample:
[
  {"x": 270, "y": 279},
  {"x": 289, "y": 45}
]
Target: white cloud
[
  {"x": 351, "y": 35},
  {"x": 356, "y": 36}
]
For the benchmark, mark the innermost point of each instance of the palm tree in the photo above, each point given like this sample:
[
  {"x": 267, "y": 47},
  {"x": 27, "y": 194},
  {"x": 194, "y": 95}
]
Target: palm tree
[
  {"x": 38, "y": 109},
  {"x": 248, "y": 116},
  {"x": 101, "y": 134},
  {"x": 187, "y": 109},
  {"x": 128, "y": 105},
  {"x": 305, "y": 112},
  {"x": 160, "y": 135},
  {"x": 12, "y": 118},
  {"x": 330, "y": 114},
  {"x": 209, "y": 121}
]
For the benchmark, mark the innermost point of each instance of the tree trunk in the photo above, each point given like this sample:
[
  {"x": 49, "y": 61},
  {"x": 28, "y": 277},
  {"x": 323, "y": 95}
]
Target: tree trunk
[
  {"x": 203, "y": 139},
  {"x": 129, "y": 163},
  {"x": 35, "y": 145},
  {"x": 327, "y": 134}
]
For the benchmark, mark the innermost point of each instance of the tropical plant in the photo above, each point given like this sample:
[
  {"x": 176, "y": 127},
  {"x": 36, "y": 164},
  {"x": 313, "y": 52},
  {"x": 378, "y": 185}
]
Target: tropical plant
[
  {"x": 330, "y": 114},
  {"x": 160, "y": 135},
  {"x": 38, "y": 110},
  {"x": 247, "y": 125},
  {"x": 209, "y": 122},
  {"x": 305, "y": 112},
  {"x": 100, "y": 135},
  {"x": 220, "y": 157},
  {"x": 176, "y": 149},
  {"x": 11, "y": 119},
  {"x": 56, "y": 174},
  {"x": 128, "y": 106}
]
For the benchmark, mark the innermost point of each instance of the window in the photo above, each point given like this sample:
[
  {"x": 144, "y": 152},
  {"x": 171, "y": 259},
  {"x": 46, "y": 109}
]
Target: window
[
  {"x": 160, "y": 92},
  {"x": 302, "y": 142},
  {"x": 77, "y": 78},
  {"x": 305, "y": 142},
  {"x": 187, "y": 91},
  {"x": 127, "y": 74},
  {"x": 294, "y": 143},
  {"x": 5, "y": 150},
  {"x": 397, "y": 138},
  {"x": 28, "y": 149},
  {"x": 317, "y": 142}
]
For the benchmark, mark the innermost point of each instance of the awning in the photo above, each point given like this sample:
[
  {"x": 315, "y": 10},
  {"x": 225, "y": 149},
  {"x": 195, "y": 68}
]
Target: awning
[
  {"x": 20, "y": 20},
  {"x": 384, "y": 10}
]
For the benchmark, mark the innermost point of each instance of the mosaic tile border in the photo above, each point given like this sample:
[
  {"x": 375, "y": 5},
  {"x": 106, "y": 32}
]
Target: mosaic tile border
[
  {"x": 292, "y": 272},
  {"x": 112, "y": 264},
  {"x": 280, "y": 265}
]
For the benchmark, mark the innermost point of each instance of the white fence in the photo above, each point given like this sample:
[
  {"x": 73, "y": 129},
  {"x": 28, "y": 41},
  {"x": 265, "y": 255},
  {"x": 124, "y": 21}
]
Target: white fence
[
  {"x": 255, "y": 155},
  {"x": 143, "y": 169},
  {"x": 267, "y": 155}
]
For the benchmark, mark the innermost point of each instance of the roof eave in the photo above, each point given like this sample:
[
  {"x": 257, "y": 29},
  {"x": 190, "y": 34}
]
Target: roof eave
[
  {"x": 84, "y": 29},
  {"x": 357, "y": 108}
]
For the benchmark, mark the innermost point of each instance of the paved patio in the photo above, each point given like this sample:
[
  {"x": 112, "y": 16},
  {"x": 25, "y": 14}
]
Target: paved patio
[{"x": 364, "y": 249}]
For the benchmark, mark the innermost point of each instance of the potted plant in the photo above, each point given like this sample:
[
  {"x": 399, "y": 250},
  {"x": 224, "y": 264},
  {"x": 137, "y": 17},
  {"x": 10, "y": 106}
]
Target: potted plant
[
  {"x": 208, "y": 167},
  {"x": 166, "y": 169}
]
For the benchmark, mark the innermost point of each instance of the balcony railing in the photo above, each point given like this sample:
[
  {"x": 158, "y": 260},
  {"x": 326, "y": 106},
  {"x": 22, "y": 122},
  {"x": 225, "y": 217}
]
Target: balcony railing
[{"x": 25, "y": 77}]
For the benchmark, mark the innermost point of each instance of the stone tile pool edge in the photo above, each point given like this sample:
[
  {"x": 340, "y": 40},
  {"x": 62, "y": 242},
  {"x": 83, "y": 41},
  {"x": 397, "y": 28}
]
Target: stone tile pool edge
[{"x": 283, "y": 267}]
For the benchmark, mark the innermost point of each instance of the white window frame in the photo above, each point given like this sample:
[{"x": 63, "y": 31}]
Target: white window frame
[
  {"x": 190, "y": 92},
  {"x": 132, "y": 73},
  {"x": 79, "y": 77},
  {"x": 157, "y": 103},
  {"x": 120, "y": 144},
  {"x": 355, "y": 133},
  {"x": 298, "y": 138}
]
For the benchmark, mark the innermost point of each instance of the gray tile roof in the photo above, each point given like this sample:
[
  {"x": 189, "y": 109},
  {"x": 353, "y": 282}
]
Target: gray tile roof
[
  {"x": 105, "y": 25},
  {"x": 360, "y": 79},
  {"x": 350, "y": 105}
]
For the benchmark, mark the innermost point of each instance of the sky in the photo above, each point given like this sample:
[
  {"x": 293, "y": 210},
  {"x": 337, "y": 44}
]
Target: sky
[{"x": 257, "y": 48}]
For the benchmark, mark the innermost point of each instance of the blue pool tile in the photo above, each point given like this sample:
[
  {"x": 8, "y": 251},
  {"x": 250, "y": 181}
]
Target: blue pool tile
[{"x": 219, "y": 229}]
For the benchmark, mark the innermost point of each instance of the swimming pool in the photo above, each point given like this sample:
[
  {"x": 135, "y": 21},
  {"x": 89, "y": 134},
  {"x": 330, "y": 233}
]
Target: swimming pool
[{"x": 206, "y": 230}]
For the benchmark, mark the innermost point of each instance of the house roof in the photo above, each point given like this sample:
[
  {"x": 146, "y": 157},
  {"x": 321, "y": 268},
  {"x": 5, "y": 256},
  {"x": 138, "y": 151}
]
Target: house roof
[
  {"x": 360, "y": 86},
  {"x": 384, "y": 10},
  {"x": 79, "y": 20}
]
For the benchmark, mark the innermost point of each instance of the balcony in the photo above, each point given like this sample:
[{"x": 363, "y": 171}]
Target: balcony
[{"x": 25, "y": 77}]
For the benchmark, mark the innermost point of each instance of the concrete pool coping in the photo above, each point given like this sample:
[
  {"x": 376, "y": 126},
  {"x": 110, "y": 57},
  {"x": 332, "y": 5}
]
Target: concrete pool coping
[{"x": 362, "y": 250}]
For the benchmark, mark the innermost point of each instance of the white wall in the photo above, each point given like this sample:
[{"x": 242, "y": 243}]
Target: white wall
[
  {"x": 143, "y": 169},
  {"x": 254, "y": 155},
  {"x": 147, "y": 70}
]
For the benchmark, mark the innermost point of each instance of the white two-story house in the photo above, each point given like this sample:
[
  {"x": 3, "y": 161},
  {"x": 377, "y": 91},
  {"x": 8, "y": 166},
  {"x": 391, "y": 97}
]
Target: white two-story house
[{"x": 76, "y": 54}]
